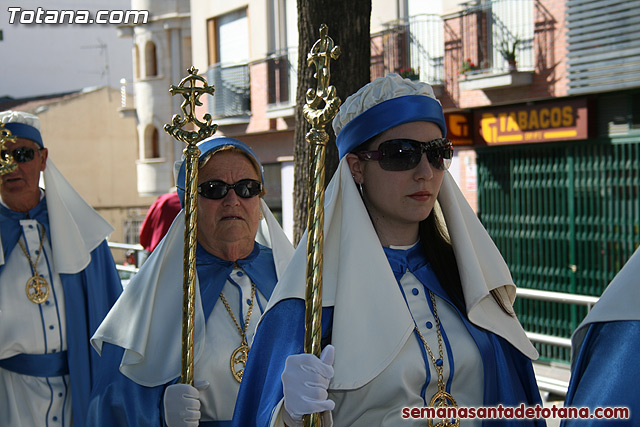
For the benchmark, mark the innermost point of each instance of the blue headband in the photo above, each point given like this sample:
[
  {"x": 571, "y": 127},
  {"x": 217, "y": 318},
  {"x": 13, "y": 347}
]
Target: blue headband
[
  {"x": 388, "y": 114},
  {"x": 22, "y": 130},
  {"x": 211, "y": 145}
]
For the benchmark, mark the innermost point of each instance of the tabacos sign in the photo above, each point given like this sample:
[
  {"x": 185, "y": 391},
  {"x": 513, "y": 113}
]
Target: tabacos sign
[
  {"x": 459, "y": 128},
  {"x": 546, "y": 122}
]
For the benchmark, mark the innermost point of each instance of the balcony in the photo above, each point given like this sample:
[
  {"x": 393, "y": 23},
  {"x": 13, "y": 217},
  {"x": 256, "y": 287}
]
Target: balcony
[
  {"x": 416, "y": 43},
  {"x": 232, "y": 100},
  {"x": 496, "y": 80},
  {"x": 494, "y": 45},
  {"x": 282, "y": 73},
  {"x": 154, "y": 176}
]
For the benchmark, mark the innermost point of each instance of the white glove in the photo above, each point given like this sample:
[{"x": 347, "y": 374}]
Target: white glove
[
  {"x": 182, "y": 404},
  {"x": 305, "y": 381}
]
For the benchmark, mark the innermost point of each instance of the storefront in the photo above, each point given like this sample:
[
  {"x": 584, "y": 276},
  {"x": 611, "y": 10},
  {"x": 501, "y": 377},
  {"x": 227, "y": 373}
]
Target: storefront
[{"x": 559, "y": 195}]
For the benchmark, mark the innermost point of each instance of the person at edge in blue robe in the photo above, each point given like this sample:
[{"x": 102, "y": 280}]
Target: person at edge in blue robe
[
  {"x": 414, "y": 309},
  {"x": 57, "y": 282},
  {"x": 605, "y": 372},
  {"x": 241, "y": 251}
]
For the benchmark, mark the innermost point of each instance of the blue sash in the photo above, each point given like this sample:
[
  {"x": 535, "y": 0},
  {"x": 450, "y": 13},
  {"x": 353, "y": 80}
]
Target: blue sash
[{"x": 38, "y": 365}]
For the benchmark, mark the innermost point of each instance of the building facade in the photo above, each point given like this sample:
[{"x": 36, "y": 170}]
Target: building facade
[
  {"x": 551, "y": 88},
  {"x": 541, "y": 102},
  {"x": 94, "y": 147}
]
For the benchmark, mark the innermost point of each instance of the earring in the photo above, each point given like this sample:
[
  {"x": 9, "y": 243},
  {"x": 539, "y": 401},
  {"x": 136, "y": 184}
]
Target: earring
[
  {"x": 261, "y": 216},
  {"x": 360, "y": 188}
]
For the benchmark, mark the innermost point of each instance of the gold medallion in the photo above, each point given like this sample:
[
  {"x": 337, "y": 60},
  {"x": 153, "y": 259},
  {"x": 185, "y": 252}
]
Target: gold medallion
[
  {"x": 239, "y": 357},
  {"x": 37, "y": 289},
  {"x": 443, "y": 399}
]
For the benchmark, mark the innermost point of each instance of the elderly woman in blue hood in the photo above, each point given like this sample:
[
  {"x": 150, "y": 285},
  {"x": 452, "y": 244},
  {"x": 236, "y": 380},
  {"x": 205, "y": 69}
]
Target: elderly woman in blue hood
[{"x": 240, "y": 253}]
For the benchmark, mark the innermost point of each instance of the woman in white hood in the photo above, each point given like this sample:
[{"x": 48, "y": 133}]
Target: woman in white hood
[{"x": 417, "y": 312}]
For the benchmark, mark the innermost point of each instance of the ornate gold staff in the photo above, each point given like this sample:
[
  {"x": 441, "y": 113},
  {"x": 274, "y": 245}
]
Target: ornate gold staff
[
  {"x": 191, "y": 94},
  {"x": 7, "y": 164},
  {"x": 322, "y": 51}
]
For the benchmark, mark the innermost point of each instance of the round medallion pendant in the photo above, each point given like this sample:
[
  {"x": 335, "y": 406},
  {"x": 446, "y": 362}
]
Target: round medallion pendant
[
  {"x": 238, "y": 361},
  {"x": 37, "y": 289},
  {"x": 442, "y": 399}
]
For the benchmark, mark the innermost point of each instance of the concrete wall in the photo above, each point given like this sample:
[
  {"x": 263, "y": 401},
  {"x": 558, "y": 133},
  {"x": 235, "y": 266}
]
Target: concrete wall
[{"x": 96, "y": 149}]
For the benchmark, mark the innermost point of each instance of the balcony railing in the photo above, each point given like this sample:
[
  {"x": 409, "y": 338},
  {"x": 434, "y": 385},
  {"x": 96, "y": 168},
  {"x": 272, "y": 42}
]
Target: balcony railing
[
  {"x": 487, "y": 28},
  {"x": 232, "y": 96},
  {"x": 282, "y": 72},
  {"x": 414, "y": 44}
]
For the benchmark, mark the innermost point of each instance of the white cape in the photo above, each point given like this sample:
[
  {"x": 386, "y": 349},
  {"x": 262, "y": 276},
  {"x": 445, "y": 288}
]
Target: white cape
[
  {"x": 371, "y": 321},
  {"x": 76, "y": 228},
  {"x": 618, "y": 302},
  {"x": 146, "y": 319}
]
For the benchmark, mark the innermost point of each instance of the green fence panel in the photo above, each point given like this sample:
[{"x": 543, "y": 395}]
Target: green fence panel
[{"x": 566, "y": 218}]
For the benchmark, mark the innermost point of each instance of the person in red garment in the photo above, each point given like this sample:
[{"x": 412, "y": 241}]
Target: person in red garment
[{"x": 158, "y": 220}]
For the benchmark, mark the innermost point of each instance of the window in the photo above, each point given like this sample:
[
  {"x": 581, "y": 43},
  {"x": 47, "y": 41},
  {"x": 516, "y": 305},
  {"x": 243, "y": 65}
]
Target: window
[
  {"x": 136, "y": 53},
  {"x": 151, "y": 143},
  {"x": 150, "y": 62},
  {"x": 273, "y": 186},
  {"x": 230, "y": 74}
]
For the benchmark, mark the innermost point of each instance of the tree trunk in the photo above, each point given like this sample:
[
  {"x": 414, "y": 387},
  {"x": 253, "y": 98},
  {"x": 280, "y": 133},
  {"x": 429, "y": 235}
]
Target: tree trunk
[{"x": 349, "y": 27}]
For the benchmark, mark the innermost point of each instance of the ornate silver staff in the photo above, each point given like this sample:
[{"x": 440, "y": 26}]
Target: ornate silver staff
[
  {"x": 322, "y": 51},
  {"x": 191, "y": 92},
  {"x": 7, "y": 164}
]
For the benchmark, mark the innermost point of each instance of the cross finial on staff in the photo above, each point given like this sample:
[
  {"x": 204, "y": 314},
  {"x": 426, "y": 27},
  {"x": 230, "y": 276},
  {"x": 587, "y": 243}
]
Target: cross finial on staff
[
  {"x": 7, "y": 164},
  {"x": 191, "y": 94},
  {"x": 320, "y": 55}
]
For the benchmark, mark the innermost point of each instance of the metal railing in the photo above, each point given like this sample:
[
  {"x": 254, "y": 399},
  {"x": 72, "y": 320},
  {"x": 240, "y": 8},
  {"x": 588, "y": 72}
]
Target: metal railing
[
  {"x": 127, "y": 271},
  {"x": 487, "y": 27},
  {"x": 545, "y": 381},
  {"x": 282, "y": 75},
  {"x": 415, "y": 46},
  {"x": 560, "y": 297},
  {"x": 233, "y": 94}
]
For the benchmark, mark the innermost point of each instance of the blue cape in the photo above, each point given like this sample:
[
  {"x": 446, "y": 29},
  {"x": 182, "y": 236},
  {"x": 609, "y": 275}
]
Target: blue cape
[
  {"x": 606, "y": 371},
  {"x": 119, "y": 401},
  {"x": 508, "y": 374},
  {"x": 88, "y": 294}
]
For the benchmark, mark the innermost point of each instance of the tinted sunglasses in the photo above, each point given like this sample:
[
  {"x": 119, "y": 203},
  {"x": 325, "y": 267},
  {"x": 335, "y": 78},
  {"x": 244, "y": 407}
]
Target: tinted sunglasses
[
  {"x": 215, "y": 190},
  {"x": 405, "y": 154},
  {"x": 20, "y": 155}
]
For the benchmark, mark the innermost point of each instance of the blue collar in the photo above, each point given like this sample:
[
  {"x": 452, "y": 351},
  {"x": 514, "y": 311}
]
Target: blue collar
[
  {"x": 213, "y": 273},
  {"x": 10, "y": 229},
  {"x": 206, "y": 258},
  {"x": 402, "y": 259}
]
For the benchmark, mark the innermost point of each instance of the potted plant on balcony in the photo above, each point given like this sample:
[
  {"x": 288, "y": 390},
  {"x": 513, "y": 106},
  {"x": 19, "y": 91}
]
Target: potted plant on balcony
[
  {"x": 508, "y": 52},
  {"x": 468, "y": 66},
  {"x": 410, "y": 73}
]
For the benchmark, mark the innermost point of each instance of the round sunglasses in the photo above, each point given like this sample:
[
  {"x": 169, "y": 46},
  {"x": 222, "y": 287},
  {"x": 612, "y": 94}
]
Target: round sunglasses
[
  {"x": 20, "y": 155},
  {"x": 405, "y": 154},
  {"x": 216, "y": 190}
]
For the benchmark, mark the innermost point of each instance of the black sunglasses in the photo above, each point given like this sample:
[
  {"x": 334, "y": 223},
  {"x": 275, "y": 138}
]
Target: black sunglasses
[
  {"x": 405, "y": 154},
  {"x": 215, "y": 190},
  {"x": 20, "y": 155}
]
